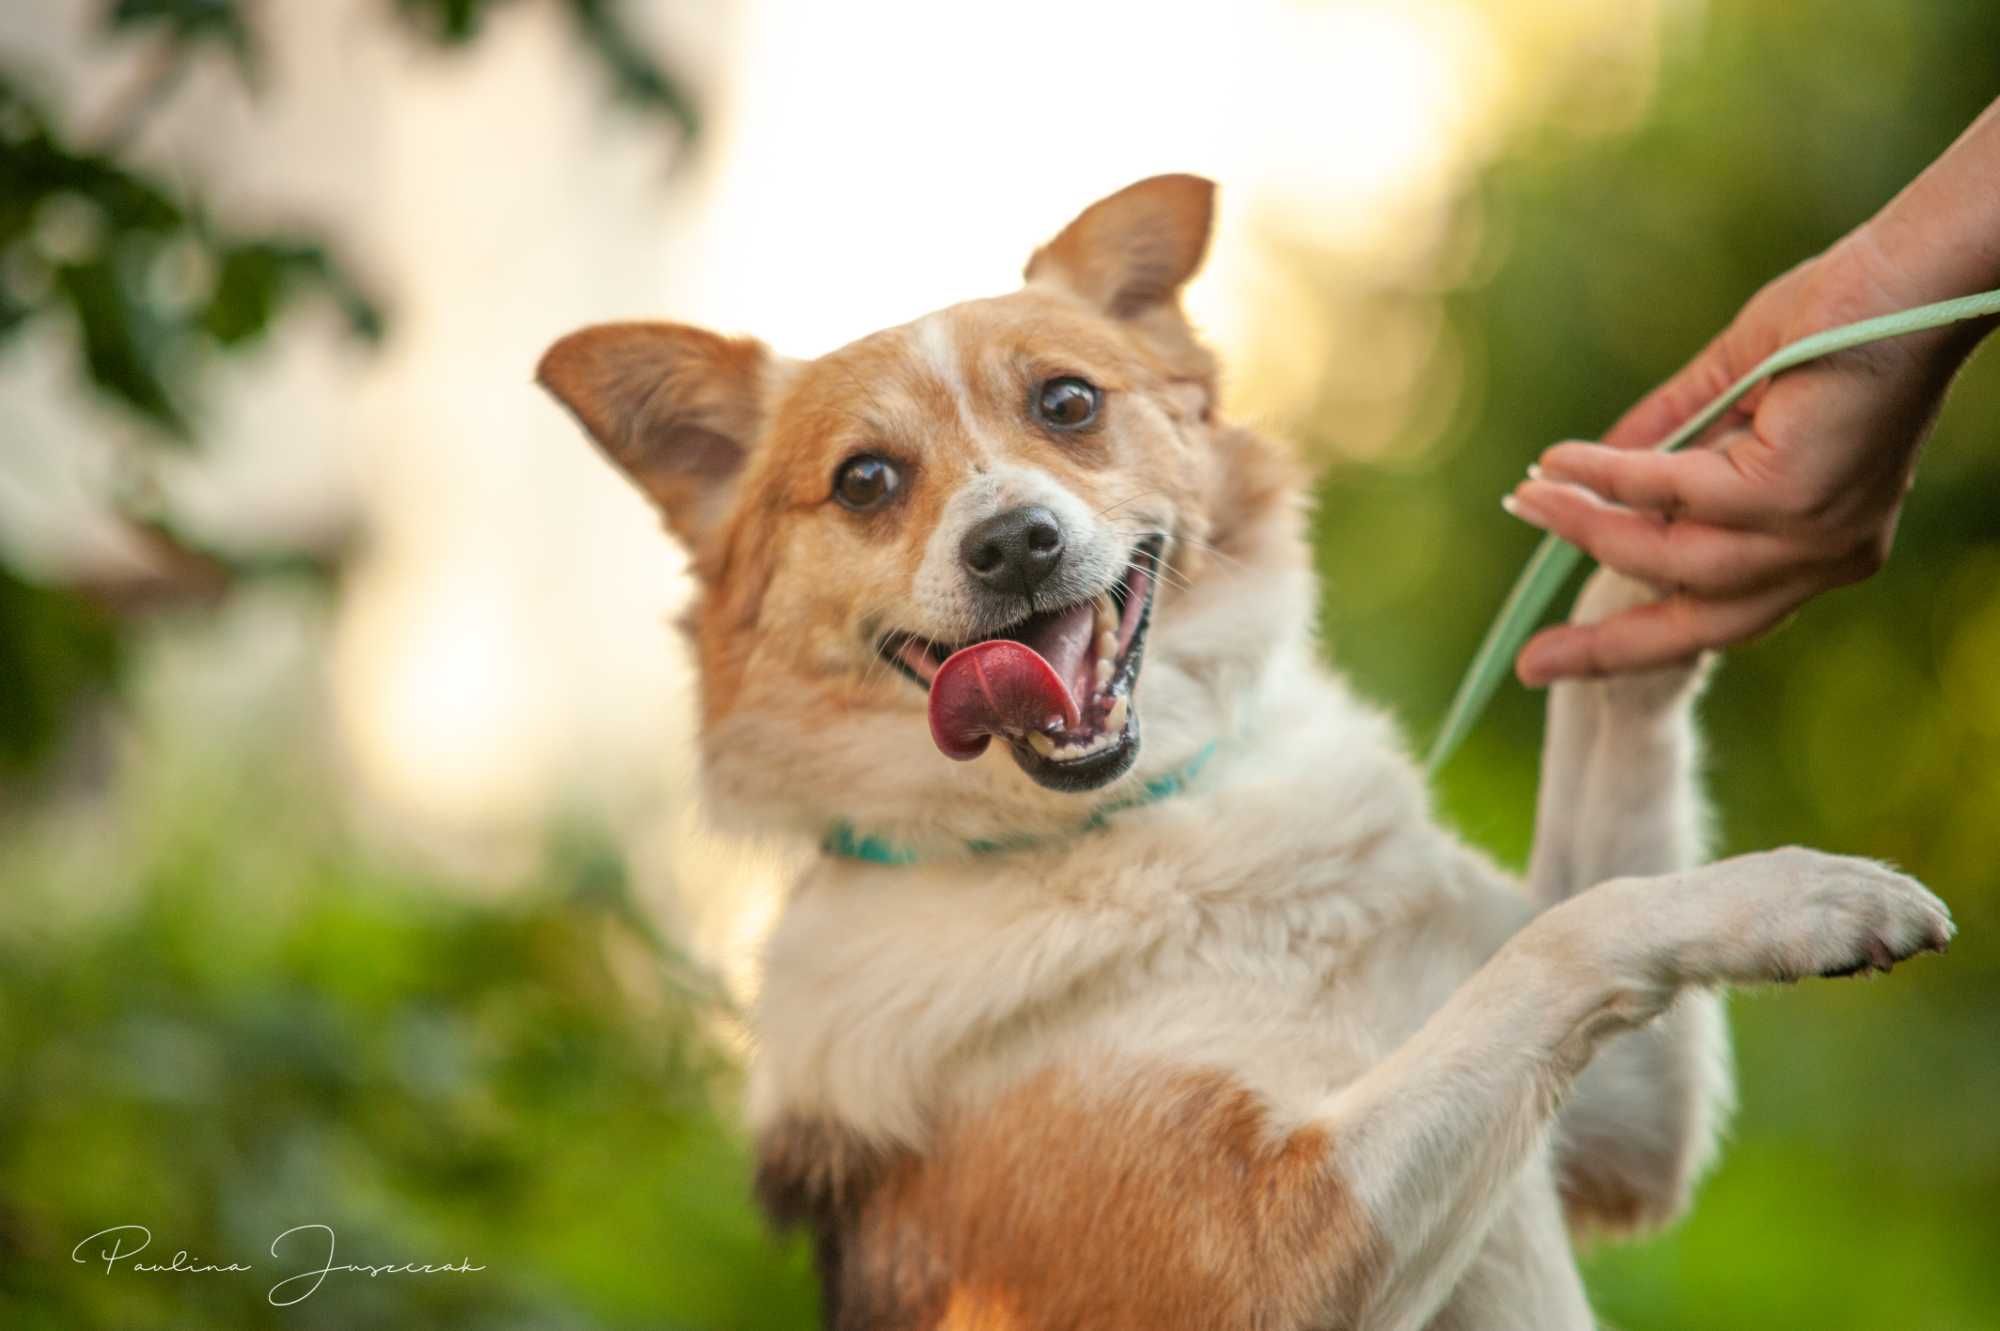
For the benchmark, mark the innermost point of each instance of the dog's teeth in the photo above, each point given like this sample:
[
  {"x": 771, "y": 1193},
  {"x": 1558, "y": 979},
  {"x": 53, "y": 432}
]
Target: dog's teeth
[
  {"x": 1103, "y": 672},
  {"x": 1107, "y": 645},
  {"x": 1107, "y": 615},
  {"x": 1041, "y": 744},
  {"x": 1114, "y": 720}
]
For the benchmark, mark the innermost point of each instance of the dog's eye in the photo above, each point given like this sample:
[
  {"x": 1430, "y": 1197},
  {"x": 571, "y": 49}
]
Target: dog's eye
[
  {"x": 864, "y": 481},
  {"x": 1067, "y": 403}
]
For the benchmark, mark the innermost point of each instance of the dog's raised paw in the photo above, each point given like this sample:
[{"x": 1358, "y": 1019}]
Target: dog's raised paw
[
  {"x": 1855, "y": 916},
  {"x": 1783, "y": 915},
  {"x": 1881, "y": 950}
]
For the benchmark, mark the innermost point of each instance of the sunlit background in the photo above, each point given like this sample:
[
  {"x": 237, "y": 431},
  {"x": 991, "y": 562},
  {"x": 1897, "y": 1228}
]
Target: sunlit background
[{"x": 349, "y": 859}]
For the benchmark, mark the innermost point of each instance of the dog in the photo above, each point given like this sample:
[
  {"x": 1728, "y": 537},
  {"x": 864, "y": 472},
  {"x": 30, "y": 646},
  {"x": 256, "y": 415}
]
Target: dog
[{"x": 1135, "y": 984}]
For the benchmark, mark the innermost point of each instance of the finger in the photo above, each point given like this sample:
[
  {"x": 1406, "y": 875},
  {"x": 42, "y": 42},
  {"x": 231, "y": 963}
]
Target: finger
[
  {"x": 1710, "y": 561},
  {"x": 1650, "y": 636},
  {"x": 1703, "y": 484}
]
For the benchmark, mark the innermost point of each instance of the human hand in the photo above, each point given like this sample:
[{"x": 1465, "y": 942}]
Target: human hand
[{"x": 1796, "y": 491}]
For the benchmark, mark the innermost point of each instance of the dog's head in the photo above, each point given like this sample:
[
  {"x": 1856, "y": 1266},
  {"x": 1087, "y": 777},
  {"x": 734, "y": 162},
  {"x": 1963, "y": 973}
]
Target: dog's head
[{"x": 1013, "y": 519}]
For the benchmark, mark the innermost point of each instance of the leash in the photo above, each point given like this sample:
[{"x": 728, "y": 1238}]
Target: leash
[
  {"x": 844, "y": 842},
  {"x": 1555, "y": 559}
]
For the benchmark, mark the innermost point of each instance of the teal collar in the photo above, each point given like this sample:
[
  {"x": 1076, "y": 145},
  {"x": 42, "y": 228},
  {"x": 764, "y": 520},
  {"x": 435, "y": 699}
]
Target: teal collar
[{"x": 843, "y": 841}]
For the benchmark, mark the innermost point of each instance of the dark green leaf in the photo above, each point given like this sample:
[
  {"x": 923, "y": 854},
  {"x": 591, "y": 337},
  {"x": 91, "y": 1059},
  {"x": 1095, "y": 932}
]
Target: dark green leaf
[
  {"x": 190, "y": 22},
  {"x": 634, "y": 71},
  {"x": 135, "y": 346},
  {"x": 248, "y": 287},
  {"x": 56, "y": 653},
  {"x": 452, "y": 22},
  {"x": 124, "y": 345}
]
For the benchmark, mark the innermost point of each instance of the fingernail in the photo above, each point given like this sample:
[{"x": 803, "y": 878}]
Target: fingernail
[
  {"x": 1534, "y": 471},
  {"x": 1516, "y": 507}
]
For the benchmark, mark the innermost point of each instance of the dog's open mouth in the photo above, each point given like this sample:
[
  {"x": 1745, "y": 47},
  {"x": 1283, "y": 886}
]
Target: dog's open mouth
[{"x": 1057, "y": 686}]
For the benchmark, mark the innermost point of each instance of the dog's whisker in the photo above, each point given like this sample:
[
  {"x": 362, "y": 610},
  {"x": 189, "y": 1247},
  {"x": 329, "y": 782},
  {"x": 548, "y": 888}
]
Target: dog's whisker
[
  {"x": 1165, "y": 571},
  {"x": 1212, "y": 549},
  {"x": 1129, "y": 499},
  {"x": 1161, "y": 559}
]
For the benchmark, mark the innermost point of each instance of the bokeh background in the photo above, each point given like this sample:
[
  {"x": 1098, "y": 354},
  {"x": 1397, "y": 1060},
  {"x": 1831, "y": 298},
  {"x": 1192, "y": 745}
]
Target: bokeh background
[{"x": 349, "y": 866}]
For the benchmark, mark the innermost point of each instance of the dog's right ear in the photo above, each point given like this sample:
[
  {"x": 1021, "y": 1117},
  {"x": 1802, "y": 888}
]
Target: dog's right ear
[
  {"x": 675, "y": 408},
  {"x": 1132, "y": 252}
]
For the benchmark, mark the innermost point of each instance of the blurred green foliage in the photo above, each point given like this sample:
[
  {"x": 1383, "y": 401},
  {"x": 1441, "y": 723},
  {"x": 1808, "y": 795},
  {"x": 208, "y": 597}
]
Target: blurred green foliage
[
  {"x": 188, "y": 24},
  {"x": 275, "y": 1031},
  {"x": 636, "y": 74},
  {"x": 57, "y": 651},
  {"x": 146, "y": 283},
  {"x": 229, "y": 1019}
]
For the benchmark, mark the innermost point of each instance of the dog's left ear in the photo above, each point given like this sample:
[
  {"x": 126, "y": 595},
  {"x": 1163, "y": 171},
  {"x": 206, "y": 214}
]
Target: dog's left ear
[
  {"x": 1133, "y": 251},
  {"x": 677, "y": 409}
]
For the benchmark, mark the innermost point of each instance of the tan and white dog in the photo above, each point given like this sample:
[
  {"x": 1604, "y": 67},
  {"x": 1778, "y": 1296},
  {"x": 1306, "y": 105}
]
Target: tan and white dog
[{"x": 1175, "y": 1008}]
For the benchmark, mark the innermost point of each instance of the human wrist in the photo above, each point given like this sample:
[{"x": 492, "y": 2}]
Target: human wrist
[
  {"x": 1941, "y": 234},
  {"x": 1890, "y": 265}
]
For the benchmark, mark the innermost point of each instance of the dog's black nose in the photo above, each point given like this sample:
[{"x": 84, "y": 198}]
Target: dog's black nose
[{"x": 1015, "y": 551}]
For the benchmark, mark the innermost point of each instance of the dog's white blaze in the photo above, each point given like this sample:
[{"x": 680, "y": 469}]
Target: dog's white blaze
[{"x": 940, "y": 352}]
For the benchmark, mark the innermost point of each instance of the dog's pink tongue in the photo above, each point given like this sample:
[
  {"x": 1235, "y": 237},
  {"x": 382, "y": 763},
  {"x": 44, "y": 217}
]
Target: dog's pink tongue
[{"x": 995, "y": 688}]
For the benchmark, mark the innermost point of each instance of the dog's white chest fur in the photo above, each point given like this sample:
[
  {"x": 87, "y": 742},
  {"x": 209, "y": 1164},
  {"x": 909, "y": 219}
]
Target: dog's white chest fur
[{"x": 1252, "y": 924}]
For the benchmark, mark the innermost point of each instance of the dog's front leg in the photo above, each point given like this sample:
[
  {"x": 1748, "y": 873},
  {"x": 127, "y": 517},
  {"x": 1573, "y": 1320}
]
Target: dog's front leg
[
  {"x": 1430, "y": 1141},
  {"x": 1619, "y": 793},
  {"x": 1620, "y": 796}
]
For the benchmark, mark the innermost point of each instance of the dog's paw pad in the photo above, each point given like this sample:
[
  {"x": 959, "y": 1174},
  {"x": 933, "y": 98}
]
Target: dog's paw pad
[{"x": 1877, "y": 956}]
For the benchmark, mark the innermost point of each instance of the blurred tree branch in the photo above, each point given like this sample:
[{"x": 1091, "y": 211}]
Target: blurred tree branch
[
  {"x": 149, "y": 284},
  {"x": 106, "y": 252}
]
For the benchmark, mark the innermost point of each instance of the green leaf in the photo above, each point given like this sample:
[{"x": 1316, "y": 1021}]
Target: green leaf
[
  {"x": 124, "y": 343},
  {"x": 635, "y": 74},
  {"x": 56, "y": 652},
  {"x": 190, "y": 22},
  {"x": 451, "y": 22},
  {"x": 256, "y": 278}
]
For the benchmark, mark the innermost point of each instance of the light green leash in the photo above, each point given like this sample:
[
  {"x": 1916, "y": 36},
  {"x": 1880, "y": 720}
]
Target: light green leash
[{"x": 1554, "y": 559}]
